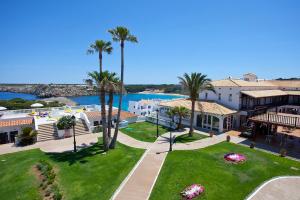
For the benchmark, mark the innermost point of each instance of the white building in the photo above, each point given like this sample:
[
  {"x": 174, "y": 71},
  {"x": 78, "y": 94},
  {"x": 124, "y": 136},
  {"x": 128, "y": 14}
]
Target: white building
[
  {"x": 143, "y": 107},
  {"x": 247, "y": 97}
]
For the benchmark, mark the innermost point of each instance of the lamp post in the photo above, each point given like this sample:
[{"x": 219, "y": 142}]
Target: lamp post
[
  {"x": 74, "y": 123},
  {"x": 171, "y": 142},
  {"x": 157, "y": 123}
]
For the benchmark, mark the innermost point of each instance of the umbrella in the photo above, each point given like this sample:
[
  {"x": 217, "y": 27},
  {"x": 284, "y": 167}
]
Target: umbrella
[
  {"x": 36, "y": 105},
  {"x": 2, "y": 108}
]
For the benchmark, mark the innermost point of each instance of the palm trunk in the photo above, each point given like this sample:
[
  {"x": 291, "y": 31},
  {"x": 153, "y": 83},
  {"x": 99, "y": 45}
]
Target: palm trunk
[
  {"x": 103, "y": 111},
  {"x": 110, "y": 109},
  {"x": 114, "y": 140},
  {"x": 192, "y": 119},
  {"x": 180, "y": 121}
]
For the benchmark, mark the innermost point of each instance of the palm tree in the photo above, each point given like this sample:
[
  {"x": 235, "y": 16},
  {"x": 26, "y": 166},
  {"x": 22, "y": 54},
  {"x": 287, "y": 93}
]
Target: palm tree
[
  {"x": 120, "y": 34},
  {"x": 195, "y": 83},
  {"x": 100, "y": 46},
  {"x": 181, "y": 112},
  {"x": 112, "y": 86},
  {"x": 111, "y": 83}
]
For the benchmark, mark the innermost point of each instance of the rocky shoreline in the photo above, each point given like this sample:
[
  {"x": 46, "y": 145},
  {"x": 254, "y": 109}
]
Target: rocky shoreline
[{"x": 49, "y": 90}]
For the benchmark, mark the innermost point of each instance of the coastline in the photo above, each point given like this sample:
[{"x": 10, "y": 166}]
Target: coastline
[{"x": 161, "y": 93}]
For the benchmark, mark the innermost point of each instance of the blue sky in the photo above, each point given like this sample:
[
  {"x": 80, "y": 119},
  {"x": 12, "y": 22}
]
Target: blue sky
[{"x": 46, "y": 41}]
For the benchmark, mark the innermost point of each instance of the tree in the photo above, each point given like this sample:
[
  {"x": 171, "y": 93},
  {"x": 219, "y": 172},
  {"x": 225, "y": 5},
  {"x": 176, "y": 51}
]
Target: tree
[
  {"x": 120, "y": 34},
  {"x": 111, "y": 84},
  {"x": 181, "y": 112},
  {"x": 100, "y": 46},
  {"x": 88, "y": 82},
  {"x": 194, "y": 84}
]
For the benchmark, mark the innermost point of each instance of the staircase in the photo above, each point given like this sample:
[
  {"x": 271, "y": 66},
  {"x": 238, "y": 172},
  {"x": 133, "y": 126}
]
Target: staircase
[
  {"x": 49, "y": 131},
  {"x": 81, "y": 128}
]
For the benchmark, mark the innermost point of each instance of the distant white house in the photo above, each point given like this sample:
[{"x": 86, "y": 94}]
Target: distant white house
[{"x": 143, "y": 107}]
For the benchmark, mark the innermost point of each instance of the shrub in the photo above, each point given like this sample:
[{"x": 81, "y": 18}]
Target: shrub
[
  {"x": 65, "y": 122},
  {"x": 283, "y": 152},
  {"x": 27, "y": 136},
  {"x": 56, "y": 192},
  {"x": 228, "y": 138},
  {"x": 97, "y": 129}
]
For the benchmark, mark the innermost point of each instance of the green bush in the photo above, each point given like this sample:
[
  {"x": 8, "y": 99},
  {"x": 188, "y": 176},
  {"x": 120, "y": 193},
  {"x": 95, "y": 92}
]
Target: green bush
[
  {"x": 65, "y": 122},
  {"x": 18, "y": 103},
  {"x": 97, "y": 129},
  {"x": 27, "y": 136}
]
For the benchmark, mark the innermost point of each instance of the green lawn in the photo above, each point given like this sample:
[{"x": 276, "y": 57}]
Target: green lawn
[
  {"x": 88, "y": 174},
  {"x": 221, "y": 180},
  {"x": 143, "y": 131},
  {"x": 186, "y": 138}
]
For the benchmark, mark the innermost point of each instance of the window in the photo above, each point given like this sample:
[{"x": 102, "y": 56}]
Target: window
[
  {"x": 206, "y": 95},
  {"x": 230, "y": 97},
  {"x": 219, "y": 96}
]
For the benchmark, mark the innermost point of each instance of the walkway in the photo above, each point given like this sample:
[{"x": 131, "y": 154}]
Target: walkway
[
  {"x": 278, "y": 189},
  {"x": 53, "y": 145}
]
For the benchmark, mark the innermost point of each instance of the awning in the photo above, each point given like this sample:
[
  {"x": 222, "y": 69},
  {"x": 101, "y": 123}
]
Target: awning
[{"x": 264, "y": 93}]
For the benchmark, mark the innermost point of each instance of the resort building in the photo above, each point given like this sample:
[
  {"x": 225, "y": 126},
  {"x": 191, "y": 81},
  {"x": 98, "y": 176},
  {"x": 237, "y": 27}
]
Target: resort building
[
  {"x": 44, "y": 121},
  {"x": 242, "y": 98},
  {"x": 143, "y": 107}
]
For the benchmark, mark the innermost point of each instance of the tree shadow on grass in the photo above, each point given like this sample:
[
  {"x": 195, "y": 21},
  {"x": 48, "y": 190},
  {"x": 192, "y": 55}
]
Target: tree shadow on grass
[{"x": 79, "y": 156}]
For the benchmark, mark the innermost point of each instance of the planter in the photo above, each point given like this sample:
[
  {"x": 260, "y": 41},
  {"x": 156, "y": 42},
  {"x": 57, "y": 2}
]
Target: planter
[{"x": 61, "y": 133}]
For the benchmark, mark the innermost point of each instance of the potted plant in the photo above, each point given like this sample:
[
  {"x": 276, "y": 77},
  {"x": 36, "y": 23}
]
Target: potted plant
[
  {"x": 211, "y": 134},
  {"x": 252, "y": 145},
  {"x": 64, "y": 126}
]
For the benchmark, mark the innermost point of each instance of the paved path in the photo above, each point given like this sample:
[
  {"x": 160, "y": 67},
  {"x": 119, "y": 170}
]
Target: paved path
[
  {"x": 139, "y": 183},
  {"x": 129, "y": 141},
  {"x": 53, "y": 145},
  {"x": 279, "y": 188}
]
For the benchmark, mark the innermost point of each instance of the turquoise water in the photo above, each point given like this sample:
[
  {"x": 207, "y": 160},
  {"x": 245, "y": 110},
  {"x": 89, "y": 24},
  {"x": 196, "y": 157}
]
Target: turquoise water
[{"x": 86, "y": 100}]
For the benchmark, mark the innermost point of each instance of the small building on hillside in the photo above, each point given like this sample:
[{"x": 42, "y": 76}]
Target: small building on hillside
[{"x": 143, "y": 107}]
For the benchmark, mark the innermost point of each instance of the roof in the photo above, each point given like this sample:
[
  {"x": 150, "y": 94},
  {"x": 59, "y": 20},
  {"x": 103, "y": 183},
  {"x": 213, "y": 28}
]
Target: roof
[
  {"x": 286, "y": 83},
  {"x": 200, "y": 106},
  {"x": 241, "y": 83},
  {"x": 293, "y": 92},
  {"x": 16, "y": 122},
  {"x": 96, "y": 115},
  {"x": 264, "y": 93}
]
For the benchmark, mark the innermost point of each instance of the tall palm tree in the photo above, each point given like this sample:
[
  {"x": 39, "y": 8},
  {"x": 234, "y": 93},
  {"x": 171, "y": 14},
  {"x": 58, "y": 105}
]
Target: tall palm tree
[
  {"x": 111, "y": 84},
  {"x": 181, "y": 112},
  {"x": 195, "y": 83},
  {"x": 120, "y": 34},
  {"x": 100, "y": 46}
]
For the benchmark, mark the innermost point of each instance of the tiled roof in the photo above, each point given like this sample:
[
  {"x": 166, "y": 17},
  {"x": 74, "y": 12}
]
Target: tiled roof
[
  {"x": 200, "y": 106},
  {"x": 16, "y": 121},
  {"x": 96, "y": 115},
  {"x": 287, "y": 83},
  {"x": 241, "y": 83},
  {"x": 264, "y": 93}
]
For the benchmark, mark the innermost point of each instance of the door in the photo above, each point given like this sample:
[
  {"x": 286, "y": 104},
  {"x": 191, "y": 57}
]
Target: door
[
  {"x": 12, "y": 136},
  {"x": 3, "y": 138}
]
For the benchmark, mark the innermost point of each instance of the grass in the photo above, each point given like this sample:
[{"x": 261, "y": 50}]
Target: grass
[
  {"x": 186, "y": 138},
  {"x": 221, "y": 180},
  {"x": 143, "y": 131},
  {"x": 87, "y": 174}
]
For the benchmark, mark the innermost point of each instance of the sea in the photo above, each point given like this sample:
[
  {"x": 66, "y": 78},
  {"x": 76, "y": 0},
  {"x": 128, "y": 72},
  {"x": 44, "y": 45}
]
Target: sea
[{"x": 88, "y": 100}]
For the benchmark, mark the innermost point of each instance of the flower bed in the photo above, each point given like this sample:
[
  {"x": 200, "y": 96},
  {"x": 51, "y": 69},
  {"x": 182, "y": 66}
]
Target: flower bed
[
  {"x": 192, "y": 191},
  {"x": 234, "y": 158}
]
